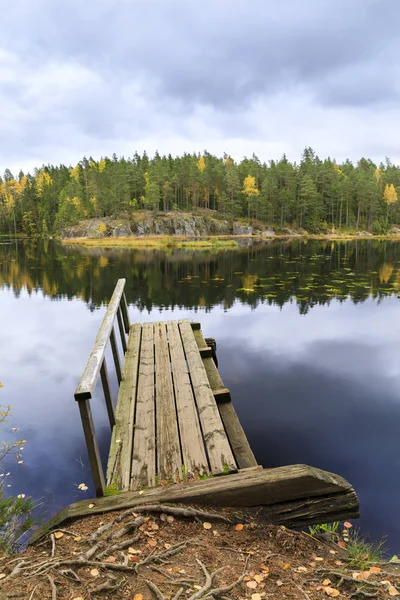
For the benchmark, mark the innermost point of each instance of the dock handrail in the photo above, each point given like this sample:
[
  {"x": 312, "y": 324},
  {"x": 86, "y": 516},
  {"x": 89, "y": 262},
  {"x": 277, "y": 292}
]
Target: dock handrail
[{"x": 96, "y": 365}]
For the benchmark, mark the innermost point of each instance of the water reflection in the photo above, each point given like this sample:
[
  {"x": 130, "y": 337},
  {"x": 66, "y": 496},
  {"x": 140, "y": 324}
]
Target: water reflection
[{"x": 307, "y": 341}]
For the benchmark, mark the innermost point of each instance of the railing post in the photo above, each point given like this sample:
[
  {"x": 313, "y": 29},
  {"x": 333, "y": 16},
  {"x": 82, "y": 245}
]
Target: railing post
[
  {"x": 114, "y": 348},
  {"x": 121, "y": 329},
  {"x": 92, "y": 447},
  {"x": 125, "y": 314},
  {"x": 107, "y": 393}
]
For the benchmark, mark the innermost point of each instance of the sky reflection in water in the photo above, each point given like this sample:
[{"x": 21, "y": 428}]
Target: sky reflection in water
[{"x": 320, "y": 388}]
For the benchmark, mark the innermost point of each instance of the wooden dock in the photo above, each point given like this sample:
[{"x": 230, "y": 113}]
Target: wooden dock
[{"x": 176, "y": 435}]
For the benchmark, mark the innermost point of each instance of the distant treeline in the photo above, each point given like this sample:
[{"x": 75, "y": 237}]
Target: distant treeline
[{"x": 315, "y": 194}]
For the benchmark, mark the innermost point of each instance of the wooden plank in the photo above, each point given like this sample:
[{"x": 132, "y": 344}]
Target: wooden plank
[
  {"x": 143, "y": 473},
  {"x": 206, "y": 352},
  {"x": 218, "y": 448},
  {"x": 125, "y": 314},
  {"x": 285, "y": 491},
  {"x": 107, "y": 393},
  {"x": 240, "y": 446},
  {"x": 222, "y": 395},
  {"x": 193, "y": 451},
  {"x": 115, "y": 353},
  {"x": 88, "y": 380},
  {"x": 121, "y": 329},
  {"x": 120, "y": 455},
  {"x": 169, "y": 459},
  {"x": 195, "y": 326},
  {"x": 239, "y": 443},
  {"x": 92, "y": 447}
]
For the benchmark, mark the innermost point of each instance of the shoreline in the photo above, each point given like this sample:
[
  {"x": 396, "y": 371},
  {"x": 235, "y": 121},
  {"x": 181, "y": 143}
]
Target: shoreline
[{"x": 209, "y": 241}]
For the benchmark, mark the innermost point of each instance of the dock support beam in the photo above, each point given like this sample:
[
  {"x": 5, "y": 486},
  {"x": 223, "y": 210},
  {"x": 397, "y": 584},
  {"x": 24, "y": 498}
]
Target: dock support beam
[{"x": 92, "y": 447}]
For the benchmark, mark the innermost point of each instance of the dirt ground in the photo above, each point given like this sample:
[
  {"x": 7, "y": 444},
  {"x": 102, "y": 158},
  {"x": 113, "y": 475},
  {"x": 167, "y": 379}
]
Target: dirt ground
[{"x": 159, "y": 554}]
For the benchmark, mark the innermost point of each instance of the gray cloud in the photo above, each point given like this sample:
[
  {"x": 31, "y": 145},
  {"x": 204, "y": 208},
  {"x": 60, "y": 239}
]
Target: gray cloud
[{"x": 108, "y": 75}]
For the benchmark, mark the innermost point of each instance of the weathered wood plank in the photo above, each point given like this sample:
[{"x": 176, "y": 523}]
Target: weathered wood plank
[
  {"x": 239, "y": 443},
  {"x": 120, "y": 456},
  {"x": 107, "y": 393},
  {"x": 240, "y": 446},
  {"x": 193, "y": 451},
  {"x": 88, "y": 380},
  {"x": 121, "y": 329},
  {"x": 169, "y": 459},
  {"x": 115, "y": 353},
  {"x": 143, "y": 473},
  {"x": 284, "y": 490},
  {"x": 125, "y": 314},
  {"x": 92, "y": 446},
  {"x": 218, "y": 448},
  {"x": 222, "y": 395}
]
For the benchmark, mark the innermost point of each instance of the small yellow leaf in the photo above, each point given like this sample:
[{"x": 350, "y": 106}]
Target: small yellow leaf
[
  {"x": 91, "y": 505},
  {"x": 332, "y": 551},
  {"x": 207, "y": 525},
  {"x": 152, "y": 543},
  {"x": 332, "y": 592},
  {"x": 167, "y": 546},
  {"x": 252, "y": 585},
  {"x": 134, "y": 551},
  {"x": 58, "y": 535},
  {"x": 259, "y": 578},
  {"x": 170, "y": 519},
  {"x": 77, "y": 538},
  {"x": 265, "y": 569},
  {"x": 286, "y": 566},
  {"x": 318, "y": 558},
  {"x": 238, "y": 527},
  {"x": 375, "y": 570},
  {"x": 392, "y": 591},
  {"x": 94, "y": 572},
  {"x": 2, "y": 575},
  {"x": 326, "y": 582},
  {"x": 154, "y": 526},
  {"x": 279, "y": 582},
  {"x": 255, "y": 597},
  {"x": 138, "y": 597}
]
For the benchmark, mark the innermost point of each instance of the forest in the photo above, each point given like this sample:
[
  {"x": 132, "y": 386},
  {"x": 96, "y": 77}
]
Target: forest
[{"x": 315, "y": 195}]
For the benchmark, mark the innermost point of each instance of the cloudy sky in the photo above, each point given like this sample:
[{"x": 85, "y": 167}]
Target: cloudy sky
[{"x": 241, "y": 76}]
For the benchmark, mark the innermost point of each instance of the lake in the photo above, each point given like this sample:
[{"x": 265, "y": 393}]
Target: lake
[{"x": 307, "y": 340}]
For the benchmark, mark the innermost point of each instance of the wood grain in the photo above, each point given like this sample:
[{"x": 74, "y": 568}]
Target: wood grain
[
  {"x": 143, "y": 473},
  {"x": 193, "y": 451},
  {"x": 218, "y": 448},
  {"x": 169, "y": 459}
]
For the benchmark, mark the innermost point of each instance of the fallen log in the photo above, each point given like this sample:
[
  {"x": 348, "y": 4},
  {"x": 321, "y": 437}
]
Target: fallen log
[{"x": 295, "y": 495}]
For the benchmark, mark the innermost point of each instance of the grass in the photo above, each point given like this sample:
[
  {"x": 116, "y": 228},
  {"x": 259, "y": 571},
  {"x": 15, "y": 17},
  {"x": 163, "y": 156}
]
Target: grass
[
  {"x": 158, "y": 242},
  {"x": 362, "y": 553},
  {"x": 112, "y": 490}
]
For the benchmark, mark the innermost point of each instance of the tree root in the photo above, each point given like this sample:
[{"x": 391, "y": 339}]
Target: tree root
[
  {"x": 121, "y": 546},
  {"x": 53, "y": 545},
  {"x": 166, "y": 554},
  {"x": 128, "y": 528},
  {"x": 108, "y": 586},
  {"x": 174, "y": 510},
  {"x": 207, "y": 592},
  {"x": 53, "y": 588}
]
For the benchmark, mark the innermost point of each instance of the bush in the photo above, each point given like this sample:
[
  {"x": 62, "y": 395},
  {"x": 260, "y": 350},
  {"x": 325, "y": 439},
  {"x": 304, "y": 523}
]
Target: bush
[{"x": 16, "y": 512}]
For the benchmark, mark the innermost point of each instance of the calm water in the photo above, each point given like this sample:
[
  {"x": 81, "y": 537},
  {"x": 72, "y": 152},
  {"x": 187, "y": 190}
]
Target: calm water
[{"x": 308, "y": 338}]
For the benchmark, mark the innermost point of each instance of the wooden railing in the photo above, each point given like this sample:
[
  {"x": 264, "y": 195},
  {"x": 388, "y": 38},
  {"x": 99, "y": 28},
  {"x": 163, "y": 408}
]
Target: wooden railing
[{"x": 96, "y": 365}]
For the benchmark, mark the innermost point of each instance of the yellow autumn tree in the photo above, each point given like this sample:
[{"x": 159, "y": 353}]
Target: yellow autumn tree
[
  {"x": 250, "y": 190},
  {"x": 201, "y": 164},
  {"x": 43, "y": 179},
  {"x": 390, "y": 197},
  {"x": 75, "y": 172}
]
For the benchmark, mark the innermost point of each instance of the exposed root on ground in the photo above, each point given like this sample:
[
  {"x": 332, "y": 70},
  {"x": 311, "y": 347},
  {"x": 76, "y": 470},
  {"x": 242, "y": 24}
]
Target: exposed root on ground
[{"x": 172, "y": 553}]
